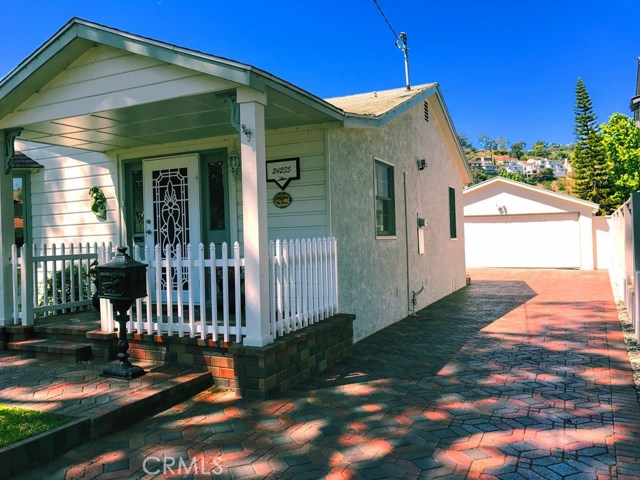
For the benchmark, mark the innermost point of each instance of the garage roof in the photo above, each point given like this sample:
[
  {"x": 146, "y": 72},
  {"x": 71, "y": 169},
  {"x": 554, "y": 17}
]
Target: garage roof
[{"x": 496, "y": 181}]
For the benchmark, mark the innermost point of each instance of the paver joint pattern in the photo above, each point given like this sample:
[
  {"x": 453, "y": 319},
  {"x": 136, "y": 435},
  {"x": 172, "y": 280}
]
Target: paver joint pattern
[{"x": 523, "y": 374}]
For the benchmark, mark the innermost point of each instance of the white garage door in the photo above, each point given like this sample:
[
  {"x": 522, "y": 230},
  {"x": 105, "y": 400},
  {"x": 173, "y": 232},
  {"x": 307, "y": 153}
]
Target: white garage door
[{"x": 523, "y": 241}]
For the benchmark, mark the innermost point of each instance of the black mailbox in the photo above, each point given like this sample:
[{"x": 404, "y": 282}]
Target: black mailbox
[{"x": 122, "y": 281}]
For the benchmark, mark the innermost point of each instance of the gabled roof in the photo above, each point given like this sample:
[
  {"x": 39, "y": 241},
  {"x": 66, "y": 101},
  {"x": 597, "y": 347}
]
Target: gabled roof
[
  {"x": 378, "y": 103},
  {"x": 78, "y": 36},
  {"x": 507, "y": 181}
]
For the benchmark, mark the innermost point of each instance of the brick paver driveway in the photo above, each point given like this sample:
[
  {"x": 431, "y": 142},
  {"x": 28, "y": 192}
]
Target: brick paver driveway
[{"x": 521, "y": 375}]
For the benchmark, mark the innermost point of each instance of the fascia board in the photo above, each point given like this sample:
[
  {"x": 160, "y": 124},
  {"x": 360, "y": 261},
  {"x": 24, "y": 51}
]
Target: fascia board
[
  {"x": 163, "y": 52},
  {"x": 452, "y": 128},
  {"x": 260, "y": 79},
  {"x": 353, "y": 120},
  {"x": 544, "y": 191},
  {"x": 39, "y": 59},
  {"x": 91, "y": 33}
]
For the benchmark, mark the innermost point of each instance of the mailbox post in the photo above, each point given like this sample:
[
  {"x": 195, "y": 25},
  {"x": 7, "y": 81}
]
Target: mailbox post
[{"x": 122, "y": 281}]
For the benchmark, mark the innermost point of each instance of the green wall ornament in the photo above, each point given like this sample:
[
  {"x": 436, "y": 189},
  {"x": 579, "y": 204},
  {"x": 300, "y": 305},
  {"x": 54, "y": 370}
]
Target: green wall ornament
[{"x": 98, "y": 203}]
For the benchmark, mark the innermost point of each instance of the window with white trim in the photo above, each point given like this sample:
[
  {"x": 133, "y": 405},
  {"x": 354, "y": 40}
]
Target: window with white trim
[{"x": 385, "y": 200}]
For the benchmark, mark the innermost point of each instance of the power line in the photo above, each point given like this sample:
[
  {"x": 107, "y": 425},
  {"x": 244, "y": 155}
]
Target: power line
[
  {"x": 401, "y": 43},
  {"x": 395, "y": 36}
]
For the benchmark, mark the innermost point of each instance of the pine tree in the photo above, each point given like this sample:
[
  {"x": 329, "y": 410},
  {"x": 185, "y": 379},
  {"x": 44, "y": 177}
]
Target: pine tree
[{"x": 592, "y": 170}]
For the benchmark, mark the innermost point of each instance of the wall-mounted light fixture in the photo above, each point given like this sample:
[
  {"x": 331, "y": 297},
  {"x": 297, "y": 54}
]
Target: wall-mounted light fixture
[
  {"x": 234, "y": 162},
  {"x": 422, "y": 164}
]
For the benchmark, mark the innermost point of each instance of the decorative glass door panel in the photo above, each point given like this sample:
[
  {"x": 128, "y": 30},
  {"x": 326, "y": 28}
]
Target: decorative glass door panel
[{"x": 171, "y": 212}]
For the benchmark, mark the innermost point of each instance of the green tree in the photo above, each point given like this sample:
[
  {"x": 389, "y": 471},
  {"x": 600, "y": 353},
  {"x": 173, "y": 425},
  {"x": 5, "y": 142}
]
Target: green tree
[
  {"x": 479, "y": 176},
  {"x": 540, "y": 149},
  {"x": 517, "y": 149},
  {"x": 469, "y": 150},
  {"x": 592, "y": 171},
  {"x": 621, "y": 140},
  {"x": 514, "y": 176},
  {"x": 502, "y": 143},
  {"x": 545, "y": 175},
  {"x": 487, "y": 143},
  {"x": 465, "y": 143}
]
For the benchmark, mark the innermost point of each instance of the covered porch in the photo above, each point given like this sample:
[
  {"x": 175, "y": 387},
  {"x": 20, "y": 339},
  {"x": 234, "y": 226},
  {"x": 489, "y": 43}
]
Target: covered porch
[
  {"x": 176, "y": 142},
  {"x": 165, "y": 150}
]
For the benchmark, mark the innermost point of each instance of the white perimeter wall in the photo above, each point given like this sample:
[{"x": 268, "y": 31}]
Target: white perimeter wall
[{"x": 602, "y": 227}]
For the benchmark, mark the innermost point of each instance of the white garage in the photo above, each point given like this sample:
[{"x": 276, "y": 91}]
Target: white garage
[{"x": 514, "y": 225}]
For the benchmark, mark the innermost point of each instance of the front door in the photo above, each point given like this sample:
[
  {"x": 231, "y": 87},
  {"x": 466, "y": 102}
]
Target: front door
[{"x": 171, "y": 205}]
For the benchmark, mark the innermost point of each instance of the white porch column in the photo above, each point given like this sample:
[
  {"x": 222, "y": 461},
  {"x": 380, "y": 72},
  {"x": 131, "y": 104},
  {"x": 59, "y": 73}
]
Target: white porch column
[
  {"x": 254, "y": 216},
  {"x": 7, "y": 234}
]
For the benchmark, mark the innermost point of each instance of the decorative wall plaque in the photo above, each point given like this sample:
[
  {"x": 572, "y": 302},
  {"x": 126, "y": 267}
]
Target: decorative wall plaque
[
  {"x": 281, "y": 172},
  {"x": 282, "y": 199}
]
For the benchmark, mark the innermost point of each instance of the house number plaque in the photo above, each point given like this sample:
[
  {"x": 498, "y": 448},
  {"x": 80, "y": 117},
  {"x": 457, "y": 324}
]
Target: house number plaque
[
  {"x": 282, "y": 199},
  {"x": 281, "y": 172}
]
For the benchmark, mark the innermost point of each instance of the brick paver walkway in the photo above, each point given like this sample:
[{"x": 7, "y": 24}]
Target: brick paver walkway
[{"x": 521, "y": 375}]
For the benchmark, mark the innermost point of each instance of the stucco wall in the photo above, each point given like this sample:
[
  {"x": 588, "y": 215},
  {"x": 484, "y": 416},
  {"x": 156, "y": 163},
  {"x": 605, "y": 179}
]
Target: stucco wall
[{"x": 373, "y": 279}]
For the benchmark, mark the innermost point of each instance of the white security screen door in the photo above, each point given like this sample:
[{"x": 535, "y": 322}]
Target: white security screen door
[{"x": 171, "y": 206}]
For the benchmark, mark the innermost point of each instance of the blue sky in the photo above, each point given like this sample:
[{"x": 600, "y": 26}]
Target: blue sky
[{"x": 506, "y": 68}]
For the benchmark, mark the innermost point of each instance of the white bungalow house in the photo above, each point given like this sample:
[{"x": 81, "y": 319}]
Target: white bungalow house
[{"x": 190, "y": 148}]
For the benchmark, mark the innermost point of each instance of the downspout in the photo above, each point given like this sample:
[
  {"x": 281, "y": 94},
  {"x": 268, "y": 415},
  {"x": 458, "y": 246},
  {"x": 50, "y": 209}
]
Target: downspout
[
  {"x": 406, "y": 238},
  {"x": 327, "y": 162}
]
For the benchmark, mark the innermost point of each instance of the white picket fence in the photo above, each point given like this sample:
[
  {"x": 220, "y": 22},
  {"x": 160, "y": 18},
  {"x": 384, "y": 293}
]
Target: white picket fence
[
  {"x": 304, "y": 283},
  {"x": 178, "y": 284},
  {"x": 182, "y": 298}
]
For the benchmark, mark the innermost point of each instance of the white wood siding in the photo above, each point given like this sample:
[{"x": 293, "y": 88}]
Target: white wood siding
[
  {"x": 307, "y": 215},
  {"x": 105, "y": 78},
  {"x": 60, "y": 201}
]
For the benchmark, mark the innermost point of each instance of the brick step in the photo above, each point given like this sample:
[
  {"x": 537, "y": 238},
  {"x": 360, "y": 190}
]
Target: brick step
[
  {"x": 65, "y": 333},
  {"x": 47, "y": 349}
]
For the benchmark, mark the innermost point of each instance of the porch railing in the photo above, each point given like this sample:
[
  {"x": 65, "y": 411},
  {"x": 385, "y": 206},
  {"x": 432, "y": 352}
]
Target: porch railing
[
  {"x": 304, "y": 283},
  {"x": 196, "y": 293},
  {"x": 59, "y": 283},
  {"x": 192, "y": 293}
]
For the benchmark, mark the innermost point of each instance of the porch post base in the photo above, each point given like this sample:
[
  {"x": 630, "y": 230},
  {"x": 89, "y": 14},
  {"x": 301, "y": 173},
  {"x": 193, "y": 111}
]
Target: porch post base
[
  {"x": 123, "y": 371},
  {"x": 257, "y": 342}
]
